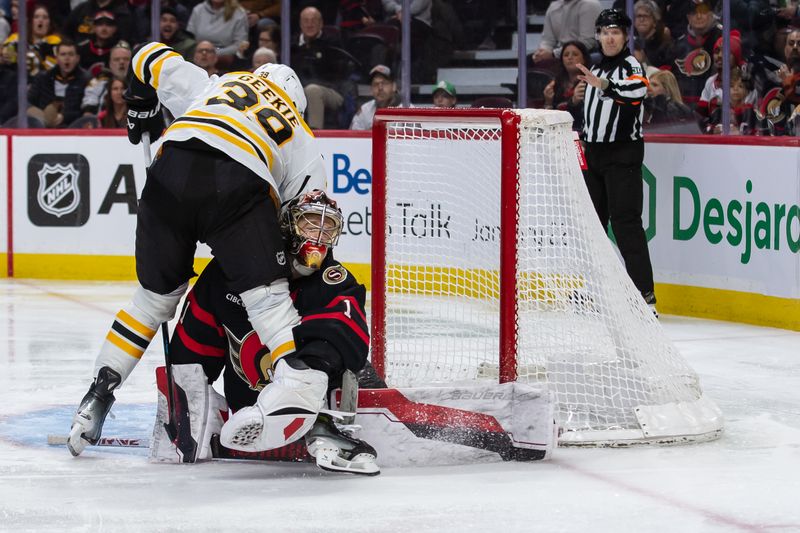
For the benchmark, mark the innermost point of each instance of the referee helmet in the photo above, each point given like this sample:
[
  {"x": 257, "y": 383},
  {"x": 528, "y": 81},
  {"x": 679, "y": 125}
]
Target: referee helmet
[{"x": 613, "y": 18}]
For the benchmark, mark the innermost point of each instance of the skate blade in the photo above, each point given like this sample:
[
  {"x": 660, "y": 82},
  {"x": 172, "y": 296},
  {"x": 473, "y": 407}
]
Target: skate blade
[{"x": 361, "y": 465}]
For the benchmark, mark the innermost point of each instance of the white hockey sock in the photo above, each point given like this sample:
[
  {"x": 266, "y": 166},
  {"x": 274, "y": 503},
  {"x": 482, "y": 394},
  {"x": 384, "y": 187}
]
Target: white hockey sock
[{"x": 134, "y": 327}]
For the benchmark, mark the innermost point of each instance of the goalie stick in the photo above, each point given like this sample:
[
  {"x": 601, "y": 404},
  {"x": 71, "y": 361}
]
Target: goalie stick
[
  {"x": 349, "y": 400},
  {"x": 171, "y": 425},
  {"x": 122, "y": 442},
  {"x": 293, "y": 452},
  {"x": 347, "y": 405}
]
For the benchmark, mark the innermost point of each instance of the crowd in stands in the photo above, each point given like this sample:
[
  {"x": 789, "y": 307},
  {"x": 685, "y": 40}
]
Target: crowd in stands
[
  {"x": 79, "y": 52},
  {"x": 680, "y": 45}
]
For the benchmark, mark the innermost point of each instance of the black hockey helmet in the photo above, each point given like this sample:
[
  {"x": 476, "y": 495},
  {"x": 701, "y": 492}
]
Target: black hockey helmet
[{"x": 613, "y": 18}]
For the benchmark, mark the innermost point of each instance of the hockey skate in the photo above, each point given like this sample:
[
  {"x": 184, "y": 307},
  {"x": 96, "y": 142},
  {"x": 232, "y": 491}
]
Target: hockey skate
[
  {"x": 650, "y": 300},
  {"x": 335, "y": 450},
  {"x": 87, "y": 424}
]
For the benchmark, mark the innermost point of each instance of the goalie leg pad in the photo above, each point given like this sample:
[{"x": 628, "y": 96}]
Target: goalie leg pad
[
  {"x": 200, "y": 413},
  {"x": 285, "y": 410}
]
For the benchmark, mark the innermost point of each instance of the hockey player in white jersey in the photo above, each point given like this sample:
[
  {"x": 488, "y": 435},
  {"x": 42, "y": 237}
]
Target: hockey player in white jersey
[{"x": 238, "y": 146}]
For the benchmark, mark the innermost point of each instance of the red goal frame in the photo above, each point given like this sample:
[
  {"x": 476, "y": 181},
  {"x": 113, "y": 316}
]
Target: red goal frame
[{"x": 508, "y": 122}]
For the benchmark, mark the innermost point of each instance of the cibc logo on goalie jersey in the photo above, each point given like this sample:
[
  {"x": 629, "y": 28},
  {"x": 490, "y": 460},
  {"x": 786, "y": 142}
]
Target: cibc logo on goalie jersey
[{"x": 58, "y": 190}]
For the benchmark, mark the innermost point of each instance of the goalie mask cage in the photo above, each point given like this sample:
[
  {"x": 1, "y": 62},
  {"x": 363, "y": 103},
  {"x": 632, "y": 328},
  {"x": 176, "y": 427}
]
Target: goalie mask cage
[{"x": 488, "y": 263}]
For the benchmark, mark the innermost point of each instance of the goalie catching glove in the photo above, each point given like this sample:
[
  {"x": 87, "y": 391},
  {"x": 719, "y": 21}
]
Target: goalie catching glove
[{"x": 87, "y": 424}]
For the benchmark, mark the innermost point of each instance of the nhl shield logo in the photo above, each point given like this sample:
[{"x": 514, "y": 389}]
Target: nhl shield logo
[{"x": 58, "y": 192}]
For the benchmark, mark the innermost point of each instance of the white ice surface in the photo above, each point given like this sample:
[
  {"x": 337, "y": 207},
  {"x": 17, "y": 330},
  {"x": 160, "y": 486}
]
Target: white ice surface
[{"x": 49, "y": 335}]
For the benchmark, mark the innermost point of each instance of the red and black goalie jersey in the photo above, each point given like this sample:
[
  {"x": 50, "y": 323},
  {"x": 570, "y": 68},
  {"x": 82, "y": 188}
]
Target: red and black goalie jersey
[{"x": 214, "y": 329}]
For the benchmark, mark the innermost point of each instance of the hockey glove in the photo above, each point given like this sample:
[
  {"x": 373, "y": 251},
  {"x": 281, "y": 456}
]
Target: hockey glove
[
  {"x": 144, "y": 116},
  {"x": 87, "y": 424}
]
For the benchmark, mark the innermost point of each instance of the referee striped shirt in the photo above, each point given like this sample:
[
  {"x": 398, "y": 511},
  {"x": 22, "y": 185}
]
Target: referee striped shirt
[{"x": 615, "y": 114}]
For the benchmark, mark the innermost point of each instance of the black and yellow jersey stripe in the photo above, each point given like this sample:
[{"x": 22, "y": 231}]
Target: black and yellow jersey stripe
[
  {"x": 130, "y": 335},
  {"x": 245, "y": 116},
  {"x": 228, "y": 129},
  {"x": 150, "y": 60}
]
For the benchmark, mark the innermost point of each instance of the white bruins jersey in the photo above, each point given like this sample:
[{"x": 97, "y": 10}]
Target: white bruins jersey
[{"x": 240, "y": 114}]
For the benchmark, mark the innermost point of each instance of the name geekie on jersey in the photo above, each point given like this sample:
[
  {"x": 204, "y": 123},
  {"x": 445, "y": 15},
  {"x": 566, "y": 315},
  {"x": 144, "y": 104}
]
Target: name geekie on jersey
[{"x": 274, "y": 99}]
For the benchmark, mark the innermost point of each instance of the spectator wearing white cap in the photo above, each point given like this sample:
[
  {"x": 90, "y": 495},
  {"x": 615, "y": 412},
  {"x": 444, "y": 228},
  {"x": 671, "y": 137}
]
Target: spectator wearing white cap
[
  {"x": 384, "y": 94},
  {"x": 444, "y": 95}
]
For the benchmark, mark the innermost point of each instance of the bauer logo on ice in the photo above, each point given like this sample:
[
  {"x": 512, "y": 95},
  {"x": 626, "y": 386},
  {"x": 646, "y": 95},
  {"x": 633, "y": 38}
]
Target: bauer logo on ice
[{"x": 58, "y": 190}]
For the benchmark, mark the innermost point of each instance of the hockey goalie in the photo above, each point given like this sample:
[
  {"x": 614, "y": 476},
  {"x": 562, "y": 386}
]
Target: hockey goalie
[
  {"x": 271, "y": 409},
  {"x": 409, "y": 427}
]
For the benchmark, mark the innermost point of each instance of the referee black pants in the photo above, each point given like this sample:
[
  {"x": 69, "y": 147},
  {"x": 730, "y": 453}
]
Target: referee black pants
[{"x": 614, "y": 180}]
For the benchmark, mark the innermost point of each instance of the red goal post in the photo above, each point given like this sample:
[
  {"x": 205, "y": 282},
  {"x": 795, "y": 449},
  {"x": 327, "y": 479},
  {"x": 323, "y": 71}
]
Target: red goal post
[{"x": 509, "y": 123}]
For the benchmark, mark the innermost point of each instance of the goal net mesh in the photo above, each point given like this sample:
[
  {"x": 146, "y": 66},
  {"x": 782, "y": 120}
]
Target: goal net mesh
[{"x": 582, "y": 329}]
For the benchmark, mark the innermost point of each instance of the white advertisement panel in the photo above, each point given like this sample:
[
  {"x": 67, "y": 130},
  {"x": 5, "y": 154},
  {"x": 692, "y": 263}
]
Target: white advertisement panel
[
  {"x": 76, "y": 195},
  {"x": 719, "y": 216},
  {"x": 727, "y": 217},
  {"x": 348, "y": 162},
  {"x": 3, "y": 203}
]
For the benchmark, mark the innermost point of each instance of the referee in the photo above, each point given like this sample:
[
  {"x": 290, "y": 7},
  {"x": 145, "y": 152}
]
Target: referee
[{"x": 612, "y": 108}]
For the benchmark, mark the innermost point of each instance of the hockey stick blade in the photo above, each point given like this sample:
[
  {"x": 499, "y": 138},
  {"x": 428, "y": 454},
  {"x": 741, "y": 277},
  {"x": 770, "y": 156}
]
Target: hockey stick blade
[
  {"x": 295, "y": 452},
  {"x": 61, "y": 440}
]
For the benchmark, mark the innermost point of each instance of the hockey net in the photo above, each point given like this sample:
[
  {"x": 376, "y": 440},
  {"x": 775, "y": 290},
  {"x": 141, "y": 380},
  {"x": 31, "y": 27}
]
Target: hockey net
[{"x": 488, "y": 263}]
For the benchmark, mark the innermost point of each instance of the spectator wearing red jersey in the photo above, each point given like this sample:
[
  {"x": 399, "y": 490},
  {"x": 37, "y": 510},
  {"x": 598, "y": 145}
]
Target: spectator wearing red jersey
[
  {"x": 96, "y": 50},
  {"x": 695, "y": 49},
  {"x": 711, "y": 97},
  {"x": 743, "y": 116}
]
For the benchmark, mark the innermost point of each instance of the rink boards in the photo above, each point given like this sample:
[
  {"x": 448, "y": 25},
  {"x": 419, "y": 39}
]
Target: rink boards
[{"x": 722, "y": 215}]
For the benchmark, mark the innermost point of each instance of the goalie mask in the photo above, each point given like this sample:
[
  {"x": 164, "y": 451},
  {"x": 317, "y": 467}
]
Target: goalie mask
[{"x": 312, "y": 223}]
